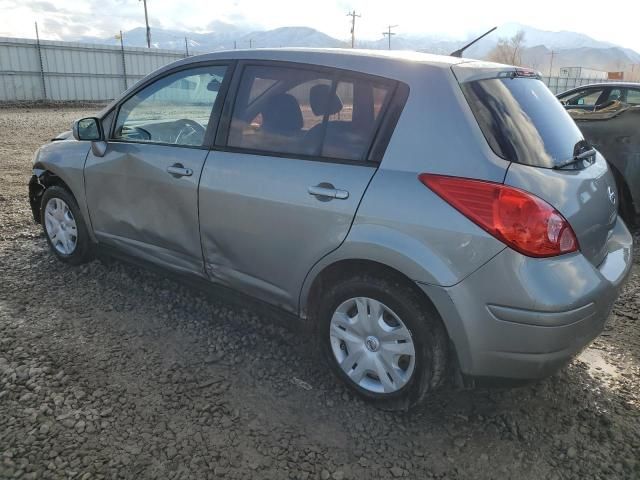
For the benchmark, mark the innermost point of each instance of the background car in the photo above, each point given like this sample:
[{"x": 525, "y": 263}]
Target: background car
[{"x": 609, "y": 116}]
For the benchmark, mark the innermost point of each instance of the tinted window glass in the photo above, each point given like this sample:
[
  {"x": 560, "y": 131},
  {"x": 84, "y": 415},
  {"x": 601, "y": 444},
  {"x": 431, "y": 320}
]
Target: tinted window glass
[
  {"x": 350, "y": 129},
  {"x": 522, "y": 121},
  {"x": 615, "y": 94},
  {"x": 296, "y": 111},
  {"x": 273, "y": 111},
  {"x": 175, "y": 109},
  {"x": 633, "y": 97},
  {"x": 584, "y": 98}
]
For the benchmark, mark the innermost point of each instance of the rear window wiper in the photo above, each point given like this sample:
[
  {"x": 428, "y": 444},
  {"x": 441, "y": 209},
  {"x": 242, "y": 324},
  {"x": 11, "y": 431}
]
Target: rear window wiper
[{"x": 573, "y": 162}]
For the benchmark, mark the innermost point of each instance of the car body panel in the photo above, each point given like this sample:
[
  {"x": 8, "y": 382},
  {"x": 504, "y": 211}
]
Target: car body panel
[
  {"x": 66, "y": 159},
  {"x": 135, "y": 204},
  {"x": 547, "y": 309},
  {"x": 587, "y": 198},
  {"x": 261, "y": 229},
  {"x": 615, "y": 132},
  {"x": 617, "y": 137},
  {"x": 417, "y": 234}
]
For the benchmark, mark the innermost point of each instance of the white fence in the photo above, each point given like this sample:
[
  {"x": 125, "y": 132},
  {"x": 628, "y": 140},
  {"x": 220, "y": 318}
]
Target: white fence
[
  {"x": 73, "y": 71},
  {"x": 45, "y": 70},
  {"x": 560, "y": 84}
]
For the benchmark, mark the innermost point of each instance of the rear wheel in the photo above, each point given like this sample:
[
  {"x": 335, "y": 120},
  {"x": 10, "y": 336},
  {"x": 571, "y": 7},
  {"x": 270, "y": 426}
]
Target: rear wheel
[
  {"x": 383, "y": 339},
  {"x": 64, "y": 226}
]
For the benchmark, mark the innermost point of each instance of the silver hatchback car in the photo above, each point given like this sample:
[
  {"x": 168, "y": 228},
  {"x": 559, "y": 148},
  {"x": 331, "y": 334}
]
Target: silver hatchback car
[{"x": 423, "y": 214}]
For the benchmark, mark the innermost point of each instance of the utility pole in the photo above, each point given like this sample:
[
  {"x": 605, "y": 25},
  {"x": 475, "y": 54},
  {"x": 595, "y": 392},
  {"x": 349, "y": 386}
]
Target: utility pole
[
  {"x": 39, "y": 48},
  {"x": 551, "y": 64},
  {"x": 389, "y": 33},
  {"x": 146, "y": 21},
  {"x": 235, "y": 45},
  {"x": 353, "y": 16},
  {"x": 124, "y": 63},
  {"x": 186, "y": 46},
  {"x": 251, "y": 43}
]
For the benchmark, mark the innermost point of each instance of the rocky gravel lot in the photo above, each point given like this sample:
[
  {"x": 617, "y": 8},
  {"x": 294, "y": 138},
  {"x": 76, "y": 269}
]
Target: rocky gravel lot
[{"x": 111, "y": 371}]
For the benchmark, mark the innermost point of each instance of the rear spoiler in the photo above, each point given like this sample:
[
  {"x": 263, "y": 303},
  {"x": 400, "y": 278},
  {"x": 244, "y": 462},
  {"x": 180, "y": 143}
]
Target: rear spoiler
[{"x": 480, "y": 70}]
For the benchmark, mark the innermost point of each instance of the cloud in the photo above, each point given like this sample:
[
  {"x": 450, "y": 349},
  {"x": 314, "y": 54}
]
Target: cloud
[
  {"x": 43, "y": 6},
  {"x": 103, "y": 18}
]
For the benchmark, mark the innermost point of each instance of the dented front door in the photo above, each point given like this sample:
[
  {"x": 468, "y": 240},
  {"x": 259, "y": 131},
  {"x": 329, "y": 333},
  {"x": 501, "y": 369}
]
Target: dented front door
[{"x": 143, "y": 199}]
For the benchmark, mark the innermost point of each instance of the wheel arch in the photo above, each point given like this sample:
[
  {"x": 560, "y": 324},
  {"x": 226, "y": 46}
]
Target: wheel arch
[
  {"x": 42, "y": 179},
  {"x": 347, "y": 266},
  {"x": 627, "y": 204}
]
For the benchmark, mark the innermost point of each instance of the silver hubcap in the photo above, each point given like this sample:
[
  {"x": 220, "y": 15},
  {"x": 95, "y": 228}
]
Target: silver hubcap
[
  {"x": 372, "y": 345},
  {"x": 60, "y": 226}
]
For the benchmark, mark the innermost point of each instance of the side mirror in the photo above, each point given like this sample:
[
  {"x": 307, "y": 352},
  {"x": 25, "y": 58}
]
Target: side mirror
[{"x": 87, "y": 129}]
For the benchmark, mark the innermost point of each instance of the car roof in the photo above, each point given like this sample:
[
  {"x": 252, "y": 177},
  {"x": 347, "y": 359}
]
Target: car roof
[{"x": 328, "y": 55}]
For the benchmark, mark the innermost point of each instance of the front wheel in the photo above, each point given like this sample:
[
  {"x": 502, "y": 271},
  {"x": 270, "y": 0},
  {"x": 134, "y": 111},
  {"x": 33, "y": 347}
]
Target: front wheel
[
  {"x": 64, "y": 226},
  {"x": 383, "y": 339}
]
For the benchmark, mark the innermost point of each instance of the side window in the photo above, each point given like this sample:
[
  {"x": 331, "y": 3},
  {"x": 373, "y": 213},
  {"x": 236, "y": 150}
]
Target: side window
[
  {"x": 297, "y": 111},
  {"x": 174, "y": 109},
  {"x": 633, "y": 97},
  {"x": 273, "y": 111},
  {"x": 584, "y": 98},
  {"x": 615, "y": 94},
  {"x": 357, "y": 105}
]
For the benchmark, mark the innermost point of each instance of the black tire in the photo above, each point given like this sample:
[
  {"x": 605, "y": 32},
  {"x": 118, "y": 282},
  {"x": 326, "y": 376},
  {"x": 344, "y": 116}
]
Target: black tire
[
  {"x": 83, "y": 251},
  {"x": 625, "y": 203},
  {"x": 419, "y": 316}
]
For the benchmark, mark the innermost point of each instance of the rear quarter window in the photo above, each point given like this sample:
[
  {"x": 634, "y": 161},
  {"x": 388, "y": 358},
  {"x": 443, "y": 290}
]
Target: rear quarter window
[{"x": 522, "y": 121}]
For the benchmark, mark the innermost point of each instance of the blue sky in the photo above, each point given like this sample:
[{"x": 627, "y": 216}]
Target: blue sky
[{"x": 63, "y": 19}]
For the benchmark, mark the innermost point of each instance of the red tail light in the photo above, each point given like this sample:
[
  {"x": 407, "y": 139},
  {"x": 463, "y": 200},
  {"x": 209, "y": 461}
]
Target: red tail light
[{"x": 523, "y": 221}]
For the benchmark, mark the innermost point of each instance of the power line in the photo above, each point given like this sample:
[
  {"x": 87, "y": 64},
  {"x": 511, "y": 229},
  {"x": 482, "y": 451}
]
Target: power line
[
  {"x": 389, "y": 33},
  {"x": 353, "y": 16}
]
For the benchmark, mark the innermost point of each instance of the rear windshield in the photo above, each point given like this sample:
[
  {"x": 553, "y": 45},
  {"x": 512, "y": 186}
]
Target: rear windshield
[{"x": 523, "y": 122}]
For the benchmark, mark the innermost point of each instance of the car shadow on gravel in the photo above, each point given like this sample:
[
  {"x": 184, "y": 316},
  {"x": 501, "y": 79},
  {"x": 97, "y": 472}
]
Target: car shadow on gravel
[{"x": 147, "y": 361}]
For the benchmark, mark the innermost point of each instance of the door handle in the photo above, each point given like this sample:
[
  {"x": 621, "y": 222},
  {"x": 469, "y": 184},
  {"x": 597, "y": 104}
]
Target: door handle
[
  {"x": 178, "y": 170},
  {"x": 328, "y": 191}
]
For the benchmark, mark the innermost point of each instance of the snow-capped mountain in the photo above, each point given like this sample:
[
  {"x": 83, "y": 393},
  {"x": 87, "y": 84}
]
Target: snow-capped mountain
[{"x": 570, "y": 48}]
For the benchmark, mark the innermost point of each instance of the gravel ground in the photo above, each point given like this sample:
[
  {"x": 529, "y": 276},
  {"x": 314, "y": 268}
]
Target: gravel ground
[{"x": 111, "y": 371}]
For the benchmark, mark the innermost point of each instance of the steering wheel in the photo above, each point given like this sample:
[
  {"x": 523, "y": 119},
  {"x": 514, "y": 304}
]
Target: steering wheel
[{"x": 190, "y": 133}]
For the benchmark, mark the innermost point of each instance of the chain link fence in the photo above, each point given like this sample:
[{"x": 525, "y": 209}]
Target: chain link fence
[{"x": 562, "y": 84}]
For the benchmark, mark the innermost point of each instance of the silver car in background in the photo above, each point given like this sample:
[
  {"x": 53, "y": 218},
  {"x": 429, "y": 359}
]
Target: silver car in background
[{"x": 422, "y": 214}]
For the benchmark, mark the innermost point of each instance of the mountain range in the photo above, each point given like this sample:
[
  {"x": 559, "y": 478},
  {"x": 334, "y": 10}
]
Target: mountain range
[{"x": 569, "y": 48}]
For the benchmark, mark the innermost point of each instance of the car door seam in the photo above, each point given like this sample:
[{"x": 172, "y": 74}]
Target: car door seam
[{"x": 353, "y": 219}]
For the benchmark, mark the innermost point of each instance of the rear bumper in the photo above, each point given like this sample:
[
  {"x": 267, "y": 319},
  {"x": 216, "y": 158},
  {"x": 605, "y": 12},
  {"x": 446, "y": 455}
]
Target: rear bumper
[{"x": 524, "y": 318}]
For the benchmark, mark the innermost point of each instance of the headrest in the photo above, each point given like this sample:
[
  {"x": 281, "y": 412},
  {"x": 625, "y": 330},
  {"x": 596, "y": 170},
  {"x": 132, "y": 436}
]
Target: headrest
[
  {"x": 323, "y": 102},
  {"x": 282, "y": 114}
]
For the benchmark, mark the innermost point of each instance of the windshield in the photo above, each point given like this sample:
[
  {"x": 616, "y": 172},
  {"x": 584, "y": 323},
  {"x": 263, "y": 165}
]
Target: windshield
[{"x": 523, "y": 122}]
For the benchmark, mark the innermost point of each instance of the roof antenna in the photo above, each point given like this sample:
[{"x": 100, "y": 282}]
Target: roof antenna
[{"x": 458, "y": 53}]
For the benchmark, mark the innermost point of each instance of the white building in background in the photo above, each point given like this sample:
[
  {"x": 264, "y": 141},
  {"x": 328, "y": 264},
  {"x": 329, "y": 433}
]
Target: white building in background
[{"x": 581, "y": 72}]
